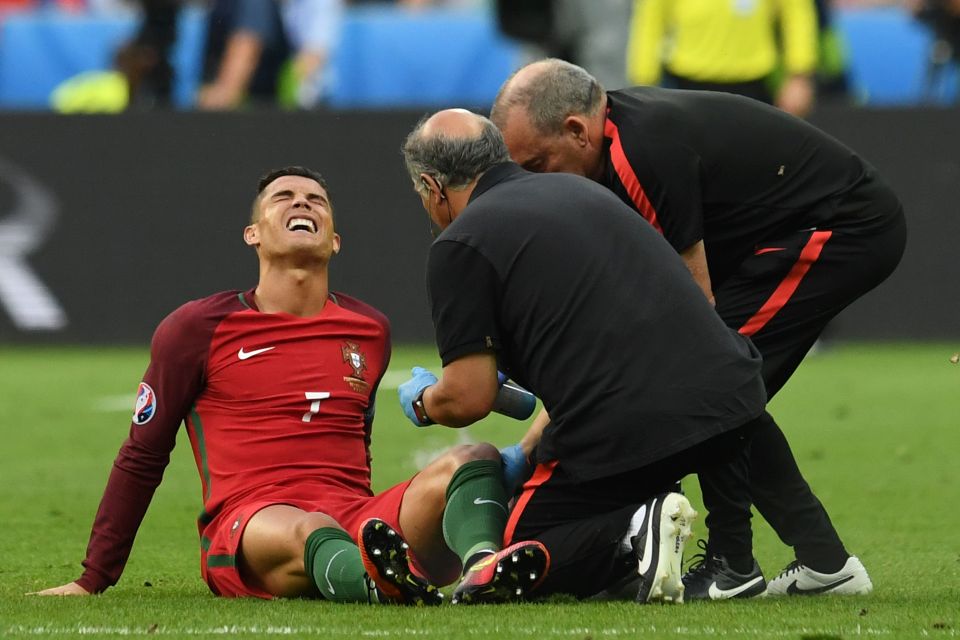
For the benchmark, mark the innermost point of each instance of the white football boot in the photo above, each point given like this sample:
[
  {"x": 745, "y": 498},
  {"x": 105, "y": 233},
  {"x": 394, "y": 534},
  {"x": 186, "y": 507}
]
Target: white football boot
[
  {"x": 799, "y": 580},
  {"x": 658, "y": 548}
]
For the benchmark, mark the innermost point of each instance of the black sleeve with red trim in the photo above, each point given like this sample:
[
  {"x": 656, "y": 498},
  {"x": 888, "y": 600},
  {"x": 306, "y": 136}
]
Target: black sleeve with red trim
[
  {"x": 660, "y": 178},
  {"x": 175, "y": 377}
]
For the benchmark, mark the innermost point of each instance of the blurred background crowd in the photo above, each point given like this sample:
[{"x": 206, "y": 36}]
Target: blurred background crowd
[{"x": 114, "y": 55}]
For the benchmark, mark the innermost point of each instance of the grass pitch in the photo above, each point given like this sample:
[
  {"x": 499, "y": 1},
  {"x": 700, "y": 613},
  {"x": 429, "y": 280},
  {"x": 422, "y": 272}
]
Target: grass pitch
[{"x": 874, "y": 427}]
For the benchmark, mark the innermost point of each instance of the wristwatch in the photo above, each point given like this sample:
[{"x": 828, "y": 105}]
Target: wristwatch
[{"x": 420, "y": 411}]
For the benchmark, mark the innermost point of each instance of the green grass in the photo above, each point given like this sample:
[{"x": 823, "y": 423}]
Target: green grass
[{"x": 874, "y": 427}]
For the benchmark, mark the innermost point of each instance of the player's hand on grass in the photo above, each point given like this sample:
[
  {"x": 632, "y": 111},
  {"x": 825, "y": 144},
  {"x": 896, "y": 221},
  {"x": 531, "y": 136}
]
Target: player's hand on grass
[
  {"x": 515, "y": 467},
  {"x": 411, "y": 392},
  {"x": 69, "y": 589}
]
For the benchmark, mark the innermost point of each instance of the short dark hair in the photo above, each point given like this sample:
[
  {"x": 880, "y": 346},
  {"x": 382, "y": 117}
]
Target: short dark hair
[
  {"x": 293, "y": 170},
  {"x": 453, "y": 161},
  {"x": 559, "y": 90}
]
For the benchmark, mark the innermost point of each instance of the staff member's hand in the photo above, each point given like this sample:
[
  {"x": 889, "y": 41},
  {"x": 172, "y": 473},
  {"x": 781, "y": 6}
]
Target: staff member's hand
[
  {"x": 411, "y": 396},
  {"x": 516, "y": 467}
]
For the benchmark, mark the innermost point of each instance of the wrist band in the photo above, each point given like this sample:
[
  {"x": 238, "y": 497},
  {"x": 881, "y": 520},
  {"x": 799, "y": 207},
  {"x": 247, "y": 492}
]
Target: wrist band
[{"x": 420, "y": 411}]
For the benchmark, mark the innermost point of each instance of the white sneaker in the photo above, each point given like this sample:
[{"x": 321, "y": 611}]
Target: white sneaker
[
  {"x": 658, "y": 547},
  {"x": 798, "y": 580}
]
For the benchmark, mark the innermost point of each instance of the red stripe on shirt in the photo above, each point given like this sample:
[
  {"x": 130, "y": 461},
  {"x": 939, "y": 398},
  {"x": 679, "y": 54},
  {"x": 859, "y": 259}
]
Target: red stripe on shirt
[
  {"x": 628, "y": 176},
  {"x": 540, "y": 475},
  {"x": 785, "y": 290}
]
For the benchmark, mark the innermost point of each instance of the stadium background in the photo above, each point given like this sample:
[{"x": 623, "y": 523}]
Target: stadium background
[{"x": 109, "y": 222}]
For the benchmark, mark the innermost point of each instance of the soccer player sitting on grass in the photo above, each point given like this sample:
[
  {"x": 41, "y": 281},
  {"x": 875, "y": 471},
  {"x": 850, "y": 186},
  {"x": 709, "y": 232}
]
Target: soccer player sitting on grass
[{"x": 276, "y": 386}]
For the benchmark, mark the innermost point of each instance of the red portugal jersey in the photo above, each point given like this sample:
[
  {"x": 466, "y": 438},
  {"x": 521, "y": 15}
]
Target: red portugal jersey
[{"x": 270, "y": 401}]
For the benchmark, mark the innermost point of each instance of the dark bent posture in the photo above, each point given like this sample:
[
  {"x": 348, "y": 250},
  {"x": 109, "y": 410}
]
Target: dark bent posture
[
  {"x": 780, "y": 224},
  {"x": 643, "y": 381}
]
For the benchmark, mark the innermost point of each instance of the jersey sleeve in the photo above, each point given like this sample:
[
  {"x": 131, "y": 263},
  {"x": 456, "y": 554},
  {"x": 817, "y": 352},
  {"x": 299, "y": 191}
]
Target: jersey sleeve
[
  {"x": 662, "y": 178},
  {"x": 464, "y": 293},
  {"x": 172, "y": 381}
]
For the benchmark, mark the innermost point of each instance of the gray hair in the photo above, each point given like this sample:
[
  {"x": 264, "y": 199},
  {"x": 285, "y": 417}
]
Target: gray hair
[
  {"x": 559, "y": 90},
  {"x": 453, "y": 161}
]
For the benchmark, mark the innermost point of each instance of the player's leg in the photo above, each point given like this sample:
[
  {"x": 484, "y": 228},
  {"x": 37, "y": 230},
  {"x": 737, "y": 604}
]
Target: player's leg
[
  {"x": 288, "y": 552},
  {"x": 455, "y": 509}
]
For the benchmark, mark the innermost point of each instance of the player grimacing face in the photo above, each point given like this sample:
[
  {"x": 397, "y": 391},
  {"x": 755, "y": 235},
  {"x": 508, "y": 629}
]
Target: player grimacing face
[{"x": 295, "y": 218}]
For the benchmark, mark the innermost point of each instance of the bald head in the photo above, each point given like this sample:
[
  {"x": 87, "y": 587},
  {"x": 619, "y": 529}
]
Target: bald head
[
  {"x": 455, "y": 146},
  {"x": 453, "y": 123},
  {"x": 546, "y": 92}
]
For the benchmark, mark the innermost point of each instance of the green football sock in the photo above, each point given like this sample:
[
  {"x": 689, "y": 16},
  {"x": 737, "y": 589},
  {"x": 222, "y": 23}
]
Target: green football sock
[
  {"x": 476, "y": 511},
  {"x": 332, "y": 560}
]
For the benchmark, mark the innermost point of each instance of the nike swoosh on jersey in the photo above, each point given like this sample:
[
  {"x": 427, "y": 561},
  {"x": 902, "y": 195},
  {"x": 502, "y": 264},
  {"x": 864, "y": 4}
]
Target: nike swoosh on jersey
[
  {"x": 716, "y": 593},
  {"x": 760, "y": 252},
  {"x": 794, "y": 590},
  {"x": 482, "y": 501},
  {"x": 243, "y": 355}
]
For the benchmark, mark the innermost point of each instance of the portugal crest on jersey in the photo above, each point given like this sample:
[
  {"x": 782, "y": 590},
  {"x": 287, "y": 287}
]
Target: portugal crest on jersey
[
  {"x": 146, "y": 405},
  {"x": 358, "y": 364}
]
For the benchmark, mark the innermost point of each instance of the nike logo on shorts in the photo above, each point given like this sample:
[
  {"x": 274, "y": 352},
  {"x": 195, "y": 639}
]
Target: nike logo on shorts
[{"x": 243, "y": 355}]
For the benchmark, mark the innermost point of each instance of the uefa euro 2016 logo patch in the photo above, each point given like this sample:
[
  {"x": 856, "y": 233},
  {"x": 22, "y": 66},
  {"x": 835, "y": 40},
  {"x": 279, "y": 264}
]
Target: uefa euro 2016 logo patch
[{"x": 146, "y": 404}]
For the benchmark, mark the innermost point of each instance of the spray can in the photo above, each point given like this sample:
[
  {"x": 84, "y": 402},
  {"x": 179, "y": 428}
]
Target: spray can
[{"x": 513, "y": 400}]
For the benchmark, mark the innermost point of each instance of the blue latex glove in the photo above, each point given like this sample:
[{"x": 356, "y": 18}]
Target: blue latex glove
[
  {"x": 411, "y": 389},
  {"x": 515, "y": 467}
]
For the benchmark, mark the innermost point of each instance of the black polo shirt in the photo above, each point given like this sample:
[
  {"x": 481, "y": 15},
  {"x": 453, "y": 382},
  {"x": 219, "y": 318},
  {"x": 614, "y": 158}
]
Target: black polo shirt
[
  {"x": 732, "y": 172},
  {"x": 600, "y": 320}
]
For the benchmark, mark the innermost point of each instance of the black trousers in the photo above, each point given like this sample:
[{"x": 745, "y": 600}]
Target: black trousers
[
  {"x": 582, "y": 523},
  {"x": 782, "y": 297}
]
